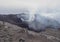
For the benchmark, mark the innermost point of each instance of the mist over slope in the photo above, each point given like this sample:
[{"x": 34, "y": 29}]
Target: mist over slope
[
  {"x": 35, "y": 22},
  {"x": 38, "y": 22}
]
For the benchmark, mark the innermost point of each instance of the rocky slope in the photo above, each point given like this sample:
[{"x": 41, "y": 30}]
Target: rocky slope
[{"x": 13, "y": 33}]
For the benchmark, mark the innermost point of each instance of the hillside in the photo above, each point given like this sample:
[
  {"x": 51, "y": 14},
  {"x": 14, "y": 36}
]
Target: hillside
[
  {"x": 12, "y": 18},
  {"x": 13, "y": 33},
  {"x": 38, "y": 24}
]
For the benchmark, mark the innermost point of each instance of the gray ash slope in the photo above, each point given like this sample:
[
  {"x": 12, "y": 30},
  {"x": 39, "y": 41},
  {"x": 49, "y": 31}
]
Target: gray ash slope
[{"x": 38, "y": 24}]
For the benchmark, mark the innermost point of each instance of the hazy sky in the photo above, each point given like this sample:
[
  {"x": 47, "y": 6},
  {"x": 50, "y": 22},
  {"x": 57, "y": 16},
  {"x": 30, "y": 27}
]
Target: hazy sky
[
  {"x": 44, "y": 7},
  {"x": 13, "y": 6}
]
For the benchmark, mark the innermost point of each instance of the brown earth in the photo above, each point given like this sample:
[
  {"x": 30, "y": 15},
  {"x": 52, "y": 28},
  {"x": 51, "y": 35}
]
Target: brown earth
[{"x": 13, "y": 33}]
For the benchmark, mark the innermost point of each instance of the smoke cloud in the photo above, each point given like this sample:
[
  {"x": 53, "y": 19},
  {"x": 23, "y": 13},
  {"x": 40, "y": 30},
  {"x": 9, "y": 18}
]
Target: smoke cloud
[{"x": 38, "y": 20}]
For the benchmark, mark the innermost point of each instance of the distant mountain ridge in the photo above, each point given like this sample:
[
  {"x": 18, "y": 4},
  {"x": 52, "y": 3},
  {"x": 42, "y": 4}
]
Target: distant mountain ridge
[
  {"x": 12, "y": 19},
  {"x": 39, "y": 23}
]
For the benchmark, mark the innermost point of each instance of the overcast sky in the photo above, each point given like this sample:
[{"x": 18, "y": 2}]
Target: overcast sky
[
  {"x": 13, "y": 6},
  {"x": 44, "y": 7}
]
